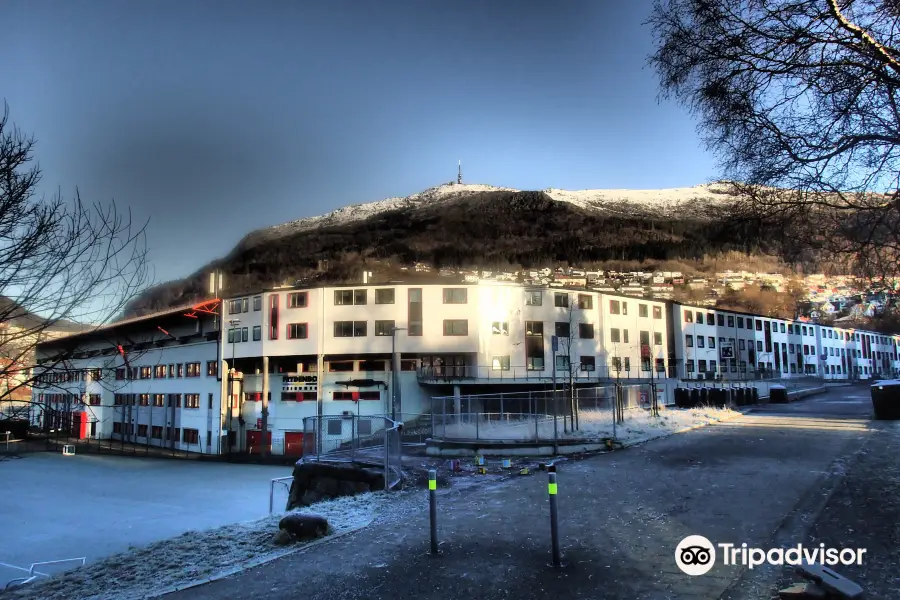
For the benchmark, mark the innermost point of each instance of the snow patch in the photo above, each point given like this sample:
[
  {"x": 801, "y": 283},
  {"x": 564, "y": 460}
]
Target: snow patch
[{"x": 662, "y": 201}]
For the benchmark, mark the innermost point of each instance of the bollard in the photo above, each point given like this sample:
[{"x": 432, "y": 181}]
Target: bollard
[
  {"x": 432, "y": 508},
  {"x": 554, "y": 523}
]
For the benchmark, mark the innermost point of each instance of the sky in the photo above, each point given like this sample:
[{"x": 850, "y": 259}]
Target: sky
[{"x": 215, "y": 118}]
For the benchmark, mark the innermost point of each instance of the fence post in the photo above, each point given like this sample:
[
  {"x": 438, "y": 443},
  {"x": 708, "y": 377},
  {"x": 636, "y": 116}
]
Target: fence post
[
  {"x": 554, "y": 520},
  {"x": 432, "y": 509}
]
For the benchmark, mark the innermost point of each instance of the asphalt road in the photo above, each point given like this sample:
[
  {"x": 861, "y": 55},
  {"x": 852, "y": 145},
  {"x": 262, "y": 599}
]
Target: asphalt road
[{"x": 762, "y": 479}]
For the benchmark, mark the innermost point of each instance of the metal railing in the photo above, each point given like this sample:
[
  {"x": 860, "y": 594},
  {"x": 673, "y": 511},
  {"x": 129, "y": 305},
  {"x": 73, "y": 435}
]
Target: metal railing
[
  {"x": 513, "y": 374},
  {"x": 277, "y": 481},
  {"x": 34, "y": 574},
  {"x": 534, "y": 416}
]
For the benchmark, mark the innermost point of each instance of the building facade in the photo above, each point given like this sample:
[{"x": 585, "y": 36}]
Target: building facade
[{"x": 213, "y": 377}]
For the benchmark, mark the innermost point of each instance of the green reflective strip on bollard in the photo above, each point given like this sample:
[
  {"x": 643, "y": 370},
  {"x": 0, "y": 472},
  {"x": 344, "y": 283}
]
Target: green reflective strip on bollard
[
  {"x": 552, "y": 488},
  {"x": 432, "y": 484}
]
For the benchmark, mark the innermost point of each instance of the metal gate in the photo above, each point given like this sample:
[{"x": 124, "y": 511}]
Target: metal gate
[{"x": 371, "y": 440}]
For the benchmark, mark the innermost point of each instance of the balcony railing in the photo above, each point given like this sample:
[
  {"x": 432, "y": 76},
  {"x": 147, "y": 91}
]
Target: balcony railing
[{"x": 516, "y": 374}]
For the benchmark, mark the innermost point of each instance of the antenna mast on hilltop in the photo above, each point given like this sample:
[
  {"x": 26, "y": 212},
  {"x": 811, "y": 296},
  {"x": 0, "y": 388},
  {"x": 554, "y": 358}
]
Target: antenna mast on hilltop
[{"x": 459, "y": 174}]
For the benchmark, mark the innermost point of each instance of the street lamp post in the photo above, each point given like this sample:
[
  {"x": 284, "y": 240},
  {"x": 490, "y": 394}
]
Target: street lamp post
[
  {"x": 232, "y": 323},
  {"x": 395, "y": 377}
]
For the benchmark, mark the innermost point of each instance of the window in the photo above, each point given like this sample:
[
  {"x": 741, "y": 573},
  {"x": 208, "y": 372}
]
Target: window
[
  {"x": 117, "y": 428},
  {"x": 562, "y": 330},
  {"x": 615, "y": 307},
  {"x": 644, "y": 339},
  {"x": 625, "y": 312},
  {"x": 231, "y": 338},
  {"x": 159, "y": 372},
  {"x": 414, "y": 327},
  {"x": 586, "y": 331},
  {"x": 175, "y": 400},
  {"x": 500, "y": 363},
  {"x": 781, "y": 327},
  {"x": 701, "y": 342},
  {"x": 642, "y": 310},
  {"x": 699, "y": 318},
  {"x": 384, "y": 328},
  {"x": 500, "y": 328},
  {"x": 660, "y": 365},
  {"x": 688, "y": 316},
  {"x": 192, "y": 400},
  {"x": 297, "y": 331},
  {"x": 193, "y": 369},
  {"x": 257, "y": 333},
  {"x": 350, "y": 329},
  {"x": 350, "y": 297},
  {"x": 297, "y": 300},
  {"x": 212, "y": 368},
  {"x": 627, "y": 364},
  {"x": 146, "y": 372},
  {"x": 689, "y": 341},
  {"x": 455, "y": 295},
  {"x": 245, "y": 304},
  {"x": 245, "y": 334},
  {"x": 143, "y": 399},
  {"x": 625, "y": 336},
  {"x": 360, "y": 297},
  {"x": 456, "y": 327},
  {"x": 645, "y": 363},
  {"x": 156, "y": 432},
  {"x": 534, "y": 328},
  {"x": 616, "y": 364},
  {"x": 371, "y": 365},
  {"x": 533, "y": 298},
  {"x": 657, "y": 312},
  {"x": 731, "y": 320},
  {"x": 159, "y": 400},
  {"x": 257, "y": 303},
  {"x": 384, "y": 296},
  {"x": 758, "y": 325},
  {"x": 273, "y": 317},
  {"x": 712, "y": 342},
  {"x": 94, "y": 399},
  {"x": 712, "y": 366},
  {"x": 179, "y": 369},
  {"x": 190, "y": 436},
  {"x": 710, "y": 319},
  {"x": 562, "y": 362},
  {"x": 701, "y": 365},
  {"x": 759, "y": 346},
  {"x": 588, "y": 363},
  {"x": 335, "y": 427},
  {"x": 585, "y": 302},
  {"x": 615, "y": 335},
  {"x": 740, "y": 322},
  {"x": 657, "y": 338},
  {"x": 120, "y": 374},
  {"x": 720, "y": 320}
]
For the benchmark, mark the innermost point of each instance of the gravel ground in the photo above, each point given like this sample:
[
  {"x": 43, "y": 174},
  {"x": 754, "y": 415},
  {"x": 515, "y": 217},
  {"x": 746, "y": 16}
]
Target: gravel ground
[{"x": 159, "y": 567}]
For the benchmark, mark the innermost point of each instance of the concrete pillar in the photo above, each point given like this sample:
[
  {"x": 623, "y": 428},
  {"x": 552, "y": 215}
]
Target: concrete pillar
[
  {"x": 457, "y": 400},
  {"x": 267, "y": 447}
]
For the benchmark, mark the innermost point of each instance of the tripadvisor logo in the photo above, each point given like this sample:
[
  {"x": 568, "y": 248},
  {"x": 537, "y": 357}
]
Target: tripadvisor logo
[{"x": 696, "y": 555}]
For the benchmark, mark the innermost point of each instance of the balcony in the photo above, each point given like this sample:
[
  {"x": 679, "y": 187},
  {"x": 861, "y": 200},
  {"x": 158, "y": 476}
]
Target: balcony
[{"x": 489, "y": 374}]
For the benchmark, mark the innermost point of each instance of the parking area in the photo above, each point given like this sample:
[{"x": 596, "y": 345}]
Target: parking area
[{"x": 59, "y": 507}]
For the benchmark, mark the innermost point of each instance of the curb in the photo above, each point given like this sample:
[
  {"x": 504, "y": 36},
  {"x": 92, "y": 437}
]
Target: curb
[{"x": 256, "y": 562}]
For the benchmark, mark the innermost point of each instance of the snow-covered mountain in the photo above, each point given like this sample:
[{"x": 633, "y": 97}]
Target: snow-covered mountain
[{"x": 659, "y": 203}]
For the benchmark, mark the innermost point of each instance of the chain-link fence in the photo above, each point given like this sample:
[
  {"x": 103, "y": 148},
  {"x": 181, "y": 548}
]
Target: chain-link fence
[
  {"x": 542, "y": 415},
  {"x": 374, "y": 440}
]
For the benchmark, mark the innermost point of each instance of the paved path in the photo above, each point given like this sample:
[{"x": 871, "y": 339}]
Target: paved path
[{"x": 621, "y": 516}]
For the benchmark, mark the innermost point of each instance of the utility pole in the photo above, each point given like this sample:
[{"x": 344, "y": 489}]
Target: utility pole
[
  {"x": 395, "y": 375},
  {"x": 232, "y": 371}
]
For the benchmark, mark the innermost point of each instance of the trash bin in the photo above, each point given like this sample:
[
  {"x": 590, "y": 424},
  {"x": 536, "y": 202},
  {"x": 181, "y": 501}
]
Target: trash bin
[
  {"x": 754, "y": 395},
  {"x": 886, "y": 399},
  {"x": 729, "y": 396},
  {"x": 695, "y": 398},
  {"x": 704, "y": 397},
  {"x": 778, "y": 394},
  {"x": 682, "y": 397},
  {"x": 743, "y": 399}
]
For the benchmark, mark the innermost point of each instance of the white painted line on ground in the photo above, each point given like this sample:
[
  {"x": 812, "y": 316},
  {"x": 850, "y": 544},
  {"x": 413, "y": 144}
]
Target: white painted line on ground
[{"x": 2, "y": 564}]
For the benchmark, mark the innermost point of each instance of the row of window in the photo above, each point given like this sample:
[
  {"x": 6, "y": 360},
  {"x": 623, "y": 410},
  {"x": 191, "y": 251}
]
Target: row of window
[
  {"x": 172, "y": 434},
  {"x": 162, "y": 400},
  {"x": 172, "y": 371}
]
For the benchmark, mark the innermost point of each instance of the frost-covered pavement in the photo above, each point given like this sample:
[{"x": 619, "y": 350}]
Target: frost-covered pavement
[
  {"x": 198, "y": 555},
  {"x": 60, "y": 507},
  {"x": 621, "y": 516}
]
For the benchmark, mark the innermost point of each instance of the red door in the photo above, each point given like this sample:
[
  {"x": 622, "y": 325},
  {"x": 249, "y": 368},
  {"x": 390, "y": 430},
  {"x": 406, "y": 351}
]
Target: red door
[
  {"x": 254, "y": 441},
  {"x": 293, "y": 443}
]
